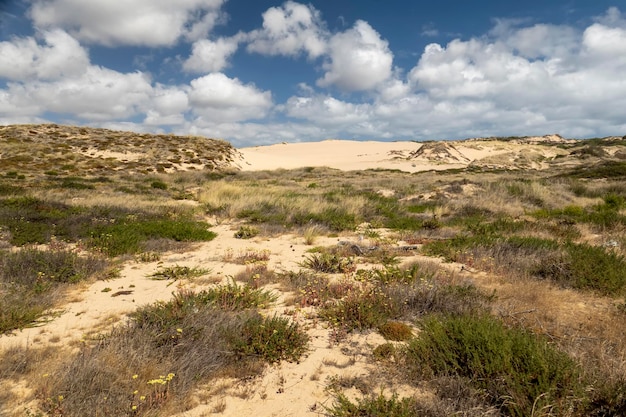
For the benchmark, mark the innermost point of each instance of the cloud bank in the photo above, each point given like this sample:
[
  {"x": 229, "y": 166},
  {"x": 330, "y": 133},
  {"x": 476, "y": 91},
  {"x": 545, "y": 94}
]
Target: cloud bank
[{"x": 515, "y": 79}]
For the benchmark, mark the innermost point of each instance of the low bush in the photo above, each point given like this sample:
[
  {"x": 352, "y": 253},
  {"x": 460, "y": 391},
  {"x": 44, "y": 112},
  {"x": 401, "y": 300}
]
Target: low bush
[
  {"x": 329, "y": 263},
  {"x": 396, "y": 331},
  {"x": 520, "y": 372},
  {"x": 394, "y": 274},
  {"x": 587, "y": 267},
  {"x": 361, "y": 309},
  {"x": 270, "y": 338},
  {"x": 246, "y": 232},
  {"x": 178, "y": 272},
  {"x": 373, "y": 406},
  {"x": 310, "y": 289},
  {"x": 126, "y": 236},
  {"x": 111, "y": 230},
  {"x": 159, "y": 185},
  {"x": 30, "y": 281},
  {"x": 165, "y": 315}
]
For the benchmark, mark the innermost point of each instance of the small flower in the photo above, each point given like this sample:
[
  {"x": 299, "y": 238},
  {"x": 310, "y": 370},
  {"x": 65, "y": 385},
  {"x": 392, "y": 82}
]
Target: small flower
[
  {"x": 142, "y": 398},
  {"x": 60, "y": 398},
  {"x": 135, "y": 376},
  {"x": 134, "y": 407},
  {"x": 179, "y": 330},
  {"x": 135, "y": 392}
]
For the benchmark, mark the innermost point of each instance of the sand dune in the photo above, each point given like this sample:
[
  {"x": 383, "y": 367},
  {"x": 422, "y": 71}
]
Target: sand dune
[{"x": 406, "y": 156}]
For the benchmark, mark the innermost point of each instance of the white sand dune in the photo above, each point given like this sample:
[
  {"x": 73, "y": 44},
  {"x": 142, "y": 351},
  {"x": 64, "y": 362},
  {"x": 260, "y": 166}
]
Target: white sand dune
[{"x": 406, "y": 156}]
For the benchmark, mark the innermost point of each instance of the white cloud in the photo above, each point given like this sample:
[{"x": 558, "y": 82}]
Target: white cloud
[
  {"x": 130, "y": 22},
  {"x": 25, "y": 59},
  {"x": 538, "y": 41},
  {"x": 359, "y": 59},
  {"x": 218, "y": 98},
  {"x": 327, "y": 110},
  {"x": 99, "y": 94},
  {"x": 517, "y": 79},
  {"x": 602, "y": 42},
  {"x": 239, "y": 134},
  {"x": 167, "y": 106},
  {"x": 290, "y": 30},
  {"x": 209, "y": 56}
]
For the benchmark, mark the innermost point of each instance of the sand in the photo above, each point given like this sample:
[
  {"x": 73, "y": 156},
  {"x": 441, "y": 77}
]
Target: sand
[{"x": 405, "y": 156}]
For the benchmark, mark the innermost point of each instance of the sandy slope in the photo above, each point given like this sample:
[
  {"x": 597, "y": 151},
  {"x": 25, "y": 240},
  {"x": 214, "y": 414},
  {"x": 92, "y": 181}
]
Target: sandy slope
[{"x": 405, "y": 156}]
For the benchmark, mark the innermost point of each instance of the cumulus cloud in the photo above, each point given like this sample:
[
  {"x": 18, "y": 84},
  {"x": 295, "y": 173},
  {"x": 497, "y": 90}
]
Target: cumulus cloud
[
  {"x": 98, "y": 94},
  {"x": 131, "y": 22},
  {"x": 239, "y": 134},
  {"x": 518, "y": 78},
  {"x": 167, "y": 106},
  {"x": 60, "y": 56},
  {"x": 210, "y": 56},
  {"x": 218, "y": 98},
  {"x": 358, "y": 59},
  {"x": 505, "y": 82},
  {"x": 537, "y": 41},
  {"x": 326, "y": 110},
  {"x": 290, "y": 30},
  {"x": 563, "y": 79}
]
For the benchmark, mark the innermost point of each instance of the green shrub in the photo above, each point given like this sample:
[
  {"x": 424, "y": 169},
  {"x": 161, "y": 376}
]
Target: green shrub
[
  {"x": 584, "y": 266},
  {"x": 178, "y": 272},
  {"x": 394, "y": 274},
  {"x": 373, "y": 406},
  {"x": 396, "y": 331},
  {"x": 9, "y": 189},
  {"x": 76, "y": 185},
  {"x": 271, "y": 338},
  {"x": 32, "y": 220},
  {"x": 246, "y": 232},
  {"x": 336, "y": 219},
  {"x": 607, "y": 169},
  {"x": 520, "y": 371},
  {"x": 20, "y": 309},
  {"x": 331, "y": 263},
  {"x": 125, "y": 237},
  {"x": 158, "y": 184},
  {"x": 384, "y": 352},
  {"x": 361, "y": 309},
  {"x": 166, "y": 315},
  {"x": 40, "y": 269},
  {"x": 29, "y": 277}
]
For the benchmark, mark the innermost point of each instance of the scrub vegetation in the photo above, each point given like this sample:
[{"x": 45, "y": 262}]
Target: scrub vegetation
[{"x": 497, "y": 292}]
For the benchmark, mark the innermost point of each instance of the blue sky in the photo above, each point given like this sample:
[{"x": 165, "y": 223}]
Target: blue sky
[{"x": 261, "y": 72}]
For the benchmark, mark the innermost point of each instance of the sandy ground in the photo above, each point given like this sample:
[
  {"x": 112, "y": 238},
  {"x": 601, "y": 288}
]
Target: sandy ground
[{"x": 286, "y": 389}]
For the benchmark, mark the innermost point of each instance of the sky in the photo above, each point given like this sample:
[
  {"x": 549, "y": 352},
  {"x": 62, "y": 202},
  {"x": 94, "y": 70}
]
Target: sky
[{"x": 257, "y": 72}]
